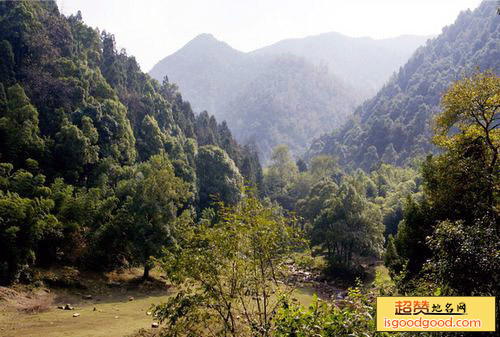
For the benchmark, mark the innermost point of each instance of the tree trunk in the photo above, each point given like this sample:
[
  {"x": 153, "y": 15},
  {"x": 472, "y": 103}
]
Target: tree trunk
[{"x": 147, "y": 268}]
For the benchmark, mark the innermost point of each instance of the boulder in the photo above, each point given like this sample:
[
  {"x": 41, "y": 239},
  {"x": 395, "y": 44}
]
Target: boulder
[{"x": 155, "y": 325}]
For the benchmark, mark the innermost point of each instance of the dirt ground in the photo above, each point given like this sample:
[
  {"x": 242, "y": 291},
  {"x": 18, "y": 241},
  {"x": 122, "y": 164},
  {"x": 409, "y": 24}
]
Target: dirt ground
[{"x": 118, "y": 307}]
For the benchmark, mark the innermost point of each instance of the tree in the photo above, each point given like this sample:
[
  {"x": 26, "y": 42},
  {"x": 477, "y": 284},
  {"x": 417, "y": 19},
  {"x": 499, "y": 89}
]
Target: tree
[
  {"x": 348, "y": 226},
  {"x": 390, "y": 155},
  {"x": 74, "y": 150},
  {"x": 152, "y": 200},
  {"x": 23, "y": 223},
  {"x": 281, "y": 172},
  {"x": 324, "y": 166},
  {"x": 218, "y": 177},
  {"x": 349, "y": 317},
  {"x": 7, "y": 65},
  {"x": 19, "y": 132},
  {"x": 471, "y": 106},
  {"x": 311, "y": 206},
  {"x": 449, "y": 236},
  {"x": 229, "y": 267}
]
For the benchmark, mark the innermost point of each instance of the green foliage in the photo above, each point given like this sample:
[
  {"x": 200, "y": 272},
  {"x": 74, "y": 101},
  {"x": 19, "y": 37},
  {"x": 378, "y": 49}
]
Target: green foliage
[
  {"x": 471, "y": 105},
  {"x": 218, "y": 177},
  {"x": 24, "y": 222},
  {"x": 346, "y": 226},
  {"x": 450, "y": 236},
  {"x": 281, "y": 170},
  {"x": 109, "y": 153},
  {"x": 19, "y": 132},
  {"x": 229, "y": 272},
  {"x": 354, "y": 316},
  {"x": 344, "y": 213},
  {"x": 150, "y": 203},
  {"x": 74, "y": 150},
  {"x": 399, "y": 115}
]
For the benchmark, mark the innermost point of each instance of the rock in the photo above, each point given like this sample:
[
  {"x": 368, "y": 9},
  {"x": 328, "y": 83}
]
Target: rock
[
  {"x": 87, "y": 297},
  {"x": 148, "y": 313},
  {"x": 68, "y": 307},
  {"x": 116, "y": 317},
  {"x": 113, "y": 284},
  {"x": 155, "y": 325},
  {"x": 95, "y": 309},
  {"x": 131, "y": 298},
  {"x": 76, "y": 314},
  {"x": 60, "y": 307}
]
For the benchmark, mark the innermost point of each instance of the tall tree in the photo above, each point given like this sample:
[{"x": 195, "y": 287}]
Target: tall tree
[
  {"x": 218, "y": 177},
  {"x": 153, "y": 198}
]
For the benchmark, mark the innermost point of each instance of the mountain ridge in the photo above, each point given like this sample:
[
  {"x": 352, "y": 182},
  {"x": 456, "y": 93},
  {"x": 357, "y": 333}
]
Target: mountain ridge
[
  {"x": 214, "y": 76},
  {"x": 394, "y": 125}
]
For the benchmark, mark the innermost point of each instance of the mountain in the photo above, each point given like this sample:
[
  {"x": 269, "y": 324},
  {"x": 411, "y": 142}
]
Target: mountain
[
  {"x": 204, "y": 69},
  {"x": 320, "y": 80},
  {"x": 364, "y": 63},
  {"x": 290, "y": 102},
  {"x": 394, "y": 126}
]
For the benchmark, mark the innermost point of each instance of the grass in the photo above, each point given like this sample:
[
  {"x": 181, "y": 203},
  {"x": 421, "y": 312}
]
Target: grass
[
  {"x": 33, "y": 312},
  {"x": 115, "y": 315}
]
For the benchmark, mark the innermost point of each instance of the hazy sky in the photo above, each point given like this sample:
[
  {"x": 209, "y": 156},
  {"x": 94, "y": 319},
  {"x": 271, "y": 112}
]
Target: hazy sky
[{"x": 153, "y": 29}]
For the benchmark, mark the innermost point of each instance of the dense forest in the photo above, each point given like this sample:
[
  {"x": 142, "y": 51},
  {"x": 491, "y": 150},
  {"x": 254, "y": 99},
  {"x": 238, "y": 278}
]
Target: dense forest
[
  {"x": 394, "y": 126},
  {"x": 83, "y": 130},
  {"x": 104, "y": 170}
]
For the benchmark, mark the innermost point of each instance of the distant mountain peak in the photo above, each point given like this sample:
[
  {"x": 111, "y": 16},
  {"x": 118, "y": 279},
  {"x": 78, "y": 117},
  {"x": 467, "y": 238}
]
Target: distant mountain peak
[
  {"x": 204, "y": 37},
  {"x": 207, "y": 41}
]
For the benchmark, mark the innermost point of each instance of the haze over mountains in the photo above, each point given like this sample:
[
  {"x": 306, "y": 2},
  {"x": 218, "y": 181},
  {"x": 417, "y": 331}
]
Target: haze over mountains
[
  {"x": 266, "y": 95},
  {"x": 394, "y": 126}
]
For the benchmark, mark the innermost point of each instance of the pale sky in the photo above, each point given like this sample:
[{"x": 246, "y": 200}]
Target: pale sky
[{"x": 153, "y": 29}]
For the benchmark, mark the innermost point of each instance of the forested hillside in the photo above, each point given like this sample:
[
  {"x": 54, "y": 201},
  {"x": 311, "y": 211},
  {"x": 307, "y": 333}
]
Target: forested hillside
[
  {"x": 291, "y": 102},
  {"x": 263, "y": 98},
  {"x": 84, "y": 135},
  {"x": 264, "y": 95},
  {"x": 363, "y": 63},
  {"x": 394, "y": 126}
]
